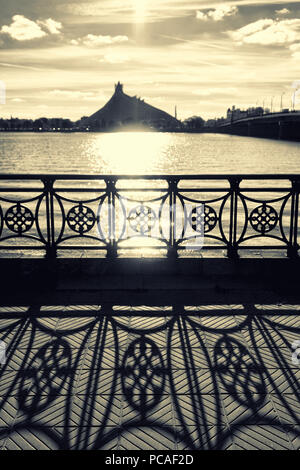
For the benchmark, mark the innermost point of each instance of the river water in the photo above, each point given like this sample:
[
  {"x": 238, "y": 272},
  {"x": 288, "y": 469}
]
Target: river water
[{"x": 145, "y": 153}]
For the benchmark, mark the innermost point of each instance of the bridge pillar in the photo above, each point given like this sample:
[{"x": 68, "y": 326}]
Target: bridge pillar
[
  {"x": 249, "y": 129},
  {"x": 280, "y": 126},
  {"x": 280, "y": 130}
]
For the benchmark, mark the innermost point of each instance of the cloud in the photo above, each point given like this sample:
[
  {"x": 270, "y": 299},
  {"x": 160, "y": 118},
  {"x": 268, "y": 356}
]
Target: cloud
[
  {"x": 92, "y": 40},
  {"x": 24, "y": 29},
  {"x": 124, "y": 11},
  {"x": 154, "y": 99},
  {"x": 17, "y": 100},
  {"x": 19, "y": 66},
  {"x": 217, "y": 14},
  {"x": 295, "y": 48},
  {"x": 296, "y": 84},
  {"x": 52, "y": 26},
  {"x": 268, "y": 32},
  {"x": 216, "y": 91},
  {"x": 75, "y": 95},
  {"x": 201, "y": 16},
  {"x": 115, "y": 58},
  {"x": 284, "y": 11}
]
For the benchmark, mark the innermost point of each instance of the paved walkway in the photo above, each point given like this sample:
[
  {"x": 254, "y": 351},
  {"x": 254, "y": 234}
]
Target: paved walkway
[{"x": 149, "y": 371}]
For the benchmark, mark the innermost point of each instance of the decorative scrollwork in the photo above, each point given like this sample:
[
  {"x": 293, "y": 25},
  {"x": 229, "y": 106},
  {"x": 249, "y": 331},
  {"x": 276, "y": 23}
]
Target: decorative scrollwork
[
  {"x": 143, "y": 374},
  {"x": 263, "y": 218},
  {"x": 48, "y": 371},
  {"x": 239, "y": 372},
  {"x": 81, "y": 219},
  {"x": 142, "y": 219},
  {"x": 203, "y": 218},
  {"x": 1, "y": 220},
  {"x": 19, "y": 218}
]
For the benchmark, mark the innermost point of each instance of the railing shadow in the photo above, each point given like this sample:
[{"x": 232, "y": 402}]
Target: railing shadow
[{"x": 178, "y": 376}]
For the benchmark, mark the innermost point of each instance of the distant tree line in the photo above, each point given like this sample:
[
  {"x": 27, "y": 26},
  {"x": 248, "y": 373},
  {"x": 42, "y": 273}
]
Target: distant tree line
[
  {"x": 194, "y": 122},
  {"x": 41, "y": 124},
  {"x": 44, "y": 124}
]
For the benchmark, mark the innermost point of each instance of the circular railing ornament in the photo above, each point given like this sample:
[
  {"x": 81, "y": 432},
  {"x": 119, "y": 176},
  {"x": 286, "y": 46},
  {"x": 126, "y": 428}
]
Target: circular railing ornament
[
  {"x": 263, "y": 218},
  {"x": 203, "y": 218},
  {"x": 142, "y": 219},
  {"x": 19, "y": 219},
  {"x": 81, "y": 219}
]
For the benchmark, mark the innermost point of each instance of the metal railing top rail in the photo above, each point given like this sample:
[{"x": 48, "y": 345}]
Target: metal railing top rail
[{"x": 50, "y": 176}]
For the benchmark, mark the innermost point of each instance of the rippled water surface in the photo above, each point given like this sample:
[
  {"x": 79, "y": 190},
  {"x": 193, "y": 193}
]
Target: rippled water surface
[{"x": 145, "y": 153}]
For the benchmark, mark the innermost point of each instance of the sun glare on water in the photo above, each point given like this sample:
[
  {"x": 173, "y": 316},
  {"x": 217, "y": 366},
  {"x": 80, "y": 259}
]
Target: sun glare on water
[{"x": 131, "y": 152}]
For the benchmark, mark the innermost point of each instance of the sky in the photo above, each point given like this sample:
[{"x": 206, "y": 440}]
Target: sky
[{"x": 62, "y": 58}]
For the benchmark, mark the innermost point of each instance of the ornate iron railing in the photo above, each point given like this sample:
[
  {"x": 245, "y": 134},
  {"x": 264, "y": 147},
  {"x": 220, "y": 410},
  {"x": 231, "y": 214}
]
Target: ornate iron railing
[{"x": 178, "y": 213}]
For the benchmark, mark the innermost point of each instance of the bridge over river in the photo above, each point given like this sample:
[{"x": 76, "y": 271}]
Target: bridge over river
[{"x": 283, "y": 126}]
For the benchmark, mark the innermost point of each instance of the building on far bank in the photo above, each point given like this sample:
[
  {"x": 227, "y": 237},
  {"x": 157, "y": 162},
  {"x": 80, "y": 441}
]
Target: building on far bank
[
  {"x": 123, "y": 110},
  {"x": 237, "y": 113}
]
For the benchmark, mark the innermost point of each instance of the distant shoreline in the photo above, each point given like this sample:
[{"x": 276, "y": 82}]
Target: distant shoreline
[
  {"x": 162, "y": 131},
  {"x": 77, "y": 131}
]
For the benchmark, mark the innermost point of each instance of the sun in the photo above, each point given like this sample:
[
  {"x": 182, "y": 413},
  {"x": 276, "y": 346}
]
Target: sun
[{"x": 140, "y": 9}]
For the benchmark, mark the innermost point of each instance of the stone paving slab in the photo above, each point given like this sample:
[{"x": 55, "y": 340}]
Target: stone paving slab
[{"x": 172, "y": 376}]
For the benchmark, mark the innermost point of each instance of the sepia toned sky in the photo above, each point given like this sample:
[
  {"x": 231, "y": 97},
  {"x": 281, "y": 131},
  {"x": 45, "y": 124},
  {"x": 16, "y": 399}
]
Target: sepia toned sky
[{"x": 61, "y": 58}]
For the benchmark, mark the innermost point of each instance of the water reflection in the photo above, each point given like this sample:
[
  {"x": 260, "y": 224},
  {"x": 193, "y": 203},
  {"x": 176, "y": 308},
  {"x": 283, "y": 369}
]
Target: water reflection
[
  {"x": 130, "y": 152},
  {"x": 145, "y": 152}
]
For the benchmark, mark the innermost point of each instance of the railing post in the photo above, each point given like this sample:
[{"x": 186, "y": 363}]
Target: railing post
[
  {"x": 232, "y": 248},
  {"x": 172, "y": 248},
  {"x": 292, "y": 250},
  {"x": 50, "y": 246},
  {"x": 112, "y": 246}
]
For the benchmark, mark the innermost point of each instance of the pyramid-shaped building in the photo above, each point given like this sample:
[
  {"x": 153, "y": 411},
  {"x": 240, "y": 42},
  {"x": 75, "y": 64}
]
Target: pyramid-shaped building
[{"x": 122, "y": 110}]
